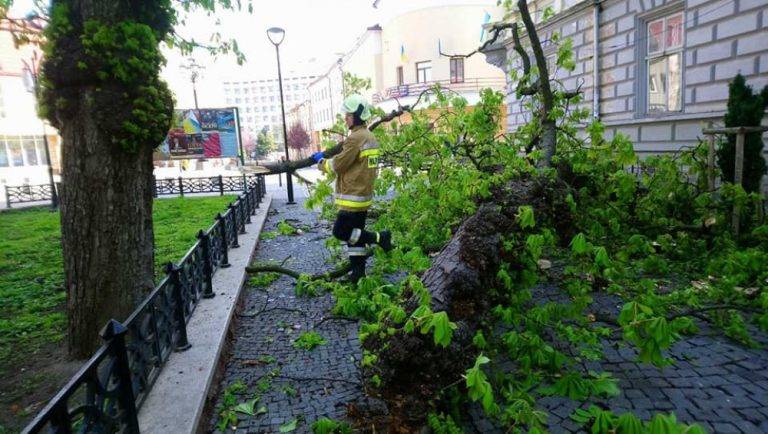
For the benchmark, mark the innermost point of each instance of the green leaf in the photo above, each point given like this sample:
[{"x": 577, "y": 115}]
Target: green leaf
[
  {"x": 443, "y": 328},
  {"x": 579, "y": 244},
  {"x": 601, "y": 257},
  {"x": 246, "y": 407},
  {"x": 525, "y": 217},
  {"x": 289, "y": 426},
  {"x": 479, "y": 340},
  {"x": 628, "y": 423}
]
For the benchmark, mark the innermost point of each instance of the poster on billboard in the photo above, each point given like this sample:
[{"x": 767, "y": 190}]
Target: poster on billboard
[{"x": 204, "y": 133}]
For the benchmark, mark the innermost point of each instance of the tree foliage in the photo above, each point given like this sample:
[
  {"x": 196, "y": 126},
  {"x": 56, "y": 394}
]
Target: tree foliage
[
  {"x": 265, "y": 143},
  {"x": 298, "y": 138},
  {"x": 354, "y": 84},
  {"x": 745, "y": 109}
]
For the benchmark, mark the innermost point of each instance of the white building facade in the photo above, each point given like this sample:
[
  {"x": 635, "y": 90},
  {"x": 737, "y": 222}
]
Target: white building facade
[
  {"x": 410, "y": 53},
  {"x": 661, "y": 67},
  {"x": 258, "y": 101}
]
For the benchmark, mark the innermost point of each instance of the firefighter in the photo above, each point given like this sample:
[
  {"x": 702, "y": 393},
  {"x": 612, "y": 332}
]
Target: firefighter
[{"x": 355, "y": 168}]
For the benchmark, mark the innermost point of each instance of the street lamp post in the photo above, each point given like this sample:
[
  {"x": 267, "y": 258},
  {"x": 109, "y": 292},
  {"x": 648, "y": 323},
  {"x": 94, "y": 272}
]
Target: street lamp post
[
  {"x": 32, "y": 71},
  {"x": 194, "y": 73},
  {"x": 273, "y": 34}
]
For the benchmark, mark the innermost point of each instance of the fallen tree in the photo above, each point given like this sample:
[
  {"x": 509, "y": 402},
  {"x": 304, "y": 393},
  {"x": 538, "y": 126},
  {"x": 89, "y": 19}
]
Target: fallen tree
[
  {"x": 412, "y": 369},
  {"x": 477, "y": 213}
]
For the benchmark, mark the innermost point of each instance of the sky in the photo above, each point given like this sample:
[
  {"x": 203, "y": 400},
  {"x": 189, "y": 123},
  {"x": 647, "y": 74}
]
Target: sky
[{"x": 316, "y": 32}]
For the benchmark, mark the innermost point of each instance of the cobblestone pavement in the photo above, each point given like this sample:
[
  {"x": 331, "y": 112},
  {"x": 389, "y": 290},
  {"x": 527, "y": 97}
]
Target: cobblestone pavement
[
  {"x": 305, "y": 385},
  {"x": 714, "y": 381}
]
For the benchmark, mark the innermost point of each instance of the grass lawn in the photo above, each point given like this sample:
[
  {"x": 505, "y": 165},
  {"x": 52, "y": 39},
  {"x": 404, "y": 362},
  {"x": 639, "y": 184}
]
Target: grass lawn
[{"x": 31, "y": 275}]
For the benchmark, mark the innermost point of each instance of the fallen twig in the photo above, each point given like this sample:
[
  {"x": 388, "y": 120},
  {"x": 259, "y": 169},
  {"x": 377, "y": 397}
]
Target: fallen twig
[{"x": 333, "y": 318}]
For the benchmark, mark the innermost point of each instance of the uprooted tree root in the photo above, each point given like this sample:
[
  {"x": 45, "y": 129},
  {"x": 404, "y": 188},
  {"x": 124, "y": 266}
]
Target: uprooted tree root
[{"x": 412, "y": 369}]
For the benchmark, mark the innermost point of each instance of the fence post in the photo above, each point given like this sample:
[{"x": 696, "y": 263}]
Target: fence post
[
  {"x": 205, "y": 241},
  {"x": 7, "y": 197},
  {"x": 738, "y": 173},
  {"x": 711, "y": 163},
  {"x": 114, "y": 335},
  {"x": 257, "y": 193},
  {"x": 254, "y": 203},
  {"x": 60, "y": 422},
  {"x": 248, "y": 206},
  {"x": 245, "y": 182},
  {"x": 221, "y": 186},
  {"x": 224, "y": 241},
  {"x": 154, "y": 186},
  {"x": 263, "y": 185},
  {"x": 181, "y": 186},
  {"x": 173, "y": 272},
  {"x": 234, "y": 215}
]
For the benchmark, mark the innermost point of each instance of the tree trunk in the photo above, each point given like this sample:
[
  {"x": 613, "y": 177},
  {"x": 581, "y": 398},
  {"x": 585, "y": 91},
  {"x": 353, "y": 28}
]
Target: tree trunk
[
  {"x": 412, "y": 369},
  {"x": 106, "y": 203},
  {"x": 106, "y": 221}
]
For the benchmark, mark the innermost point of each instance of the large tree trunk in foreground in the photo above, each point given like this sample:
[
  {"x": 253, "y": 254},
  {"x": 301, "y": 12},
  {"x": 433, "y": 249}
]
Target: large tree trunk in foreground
[
  {"x": 412, "y": 369},
  {"x": 101, "y": 89},
  {"x": 106, "y": 220}
]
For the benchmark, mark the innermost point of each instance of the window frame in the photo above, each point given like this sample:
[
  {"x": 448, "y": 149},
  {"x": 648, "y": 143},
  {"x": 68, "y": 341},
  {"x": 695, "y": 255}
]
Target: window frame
[
  {"x": 456, "y": 64},
  {"x": 399, "y": 73},
  {"x": 645, "y": 57},
  {"x": 420, "y": 69}
]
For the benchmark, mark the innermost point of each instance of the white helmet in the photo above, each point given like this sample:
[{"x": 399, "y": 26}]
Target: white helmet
[{"x": 352, "y": 104}]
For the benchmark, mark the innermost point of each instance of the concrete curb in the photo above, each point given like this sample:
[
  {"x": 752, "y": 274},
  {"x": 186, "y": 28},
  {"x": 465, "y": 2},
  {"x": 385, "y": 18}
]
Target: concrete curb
[{"x": 178, "y": 398}]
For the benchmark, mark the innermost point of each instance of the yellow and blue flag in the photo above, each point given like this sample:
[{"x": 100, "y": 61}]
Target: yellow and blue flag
[{"x": 403, "y": 57}]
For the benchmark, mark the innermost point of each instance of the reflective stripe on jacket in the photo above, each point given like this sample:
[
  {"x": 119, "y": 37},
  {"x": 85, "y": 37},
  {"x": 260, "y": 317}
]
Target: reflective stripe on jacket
[{"x": 355, "y": 168}]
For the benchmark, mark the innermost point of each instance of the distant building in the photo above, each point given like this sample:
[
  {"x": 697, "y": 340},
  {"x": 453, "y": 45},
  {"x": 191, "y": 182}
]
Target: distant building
[
  {"x": 404, "y": 57},
  {"x": 258, "y": 101},
  {"x": 363, "y": 60},
  {"x": 656, "y": 71},
  {"x": 417, "y": 48},
  {"x": 22, "y": 153}
]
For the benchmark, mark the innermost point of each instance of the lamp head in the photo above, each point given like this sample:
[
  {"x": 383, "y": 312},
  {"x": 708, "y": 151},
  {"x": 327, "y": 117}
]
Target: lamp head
[{"x": 276, "y": 35}]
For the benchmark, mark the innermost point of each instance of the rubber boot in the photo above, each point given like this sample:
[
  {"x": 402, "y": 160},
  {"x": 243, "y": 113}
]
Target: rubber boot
[
  {"x": 358, "y": 268},
  {"x": 385, "y": 240}
]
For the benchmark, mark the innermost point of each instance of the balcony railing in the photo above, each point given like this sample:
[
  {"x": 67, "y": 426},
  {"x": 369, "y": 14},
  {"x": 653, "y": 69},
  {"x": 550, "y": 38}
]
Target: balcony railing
[{"x": 413, "y": 89}]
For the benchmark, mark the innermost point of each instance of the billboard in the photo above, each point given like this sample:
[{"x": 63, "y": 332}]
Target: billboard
[{"x": 204, "y": 133}]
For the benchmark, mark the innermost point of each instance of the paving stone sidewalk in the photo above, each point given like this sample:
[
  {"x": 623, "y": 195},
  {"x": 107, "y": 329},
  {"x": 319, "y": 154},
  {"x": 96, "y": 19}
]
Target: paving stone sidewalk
[
  {"x": 310, "y": 384},
  {"x": 714, "y": 381}
]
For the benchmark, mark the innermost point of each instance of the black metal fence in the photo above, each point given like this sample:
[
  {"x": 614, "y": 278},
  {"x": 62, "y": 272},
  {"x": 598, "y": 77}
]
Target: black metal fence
[
  {"x": 27, "y": 193},
  {"x": 106, "y": 393},
  {"x": 161, "y": 187}
]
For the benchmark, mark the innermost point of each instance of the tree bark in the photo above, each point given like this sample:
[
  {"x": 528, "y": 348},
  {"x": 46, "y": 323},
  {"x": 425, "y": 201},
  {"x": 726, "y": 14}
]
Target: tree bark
[{"x": 106, "y": 221}]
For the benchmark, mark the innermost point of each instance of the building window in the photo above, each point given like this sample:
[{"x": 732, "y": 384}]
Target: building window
[
  {"x": 457, "y": 70},
  {"x": 423, "y": 71},
  {"x": 664, "y": 63},
  {"x": 400, "y": 78},
  {"x": 15, "y": 150},
  {"x": 40, "y": 144},
  {"x": 30, "y": 153}
]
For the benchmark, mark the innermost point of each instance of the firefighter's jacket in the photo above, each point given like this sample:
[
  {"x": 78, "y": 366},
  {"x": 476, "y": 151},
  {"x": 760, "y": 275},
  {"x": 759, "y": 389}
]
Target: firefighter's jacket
[{"x": 355, "y": 168}]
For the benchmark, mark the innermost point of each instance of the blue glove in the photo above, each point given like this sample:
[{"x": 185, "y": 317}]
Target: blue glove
[{"x": 317, "y": 156}]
